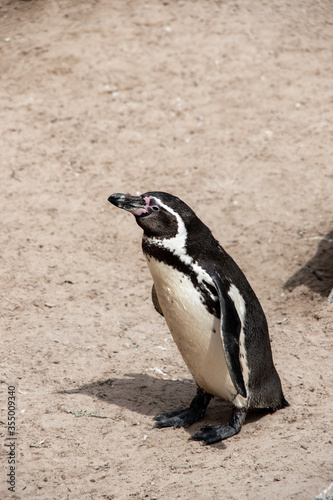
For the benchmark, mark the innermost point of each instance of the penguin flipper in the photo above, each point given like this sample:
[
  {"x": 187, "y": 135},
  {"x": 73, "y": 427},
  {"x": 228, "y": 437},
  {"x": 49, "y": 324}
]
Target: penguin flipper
[
  {"x": 230, "y": 334},
  {"x": 155, "y": 301}
]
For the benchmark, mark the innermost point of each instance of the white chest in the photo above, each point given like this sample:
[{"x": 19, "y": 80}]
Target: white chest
[{"x": 195, "y": 331}]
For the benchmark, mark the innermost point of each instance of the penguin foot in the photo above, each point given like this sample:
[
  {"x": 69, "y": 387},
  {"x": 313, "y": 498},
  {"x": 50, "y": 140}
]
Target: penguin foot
[
  {"x": 177, "y": 418},
  {"x": 215, "y": 433},
  {"x": 185, "y": 416}
]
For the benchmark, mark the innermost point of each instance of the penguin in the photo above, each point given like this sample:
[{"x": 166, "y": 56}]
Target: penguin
[{"x": 212, "y": 312}]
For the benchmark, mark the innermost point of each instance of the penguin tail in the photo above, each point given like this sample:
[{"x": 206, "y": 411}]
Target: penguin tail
[{"x": 284, "y": 403}]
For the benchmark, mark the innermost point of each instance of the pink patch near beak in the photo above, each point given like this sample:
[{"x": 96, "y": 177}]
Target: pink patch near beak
[
  {"x": 143, "y": 210},
  {"x": 138, "y": 211}
]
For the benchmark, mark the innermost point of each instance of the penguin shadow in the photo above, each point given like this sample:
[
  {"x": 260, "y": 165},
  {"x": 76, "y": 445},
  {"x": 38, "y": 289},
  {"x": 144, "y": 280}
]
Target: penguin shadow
[
  {"x": 138, "y": 392},
  {"x": 147, "y": 395},
  {"x": 317, "y": 273}
]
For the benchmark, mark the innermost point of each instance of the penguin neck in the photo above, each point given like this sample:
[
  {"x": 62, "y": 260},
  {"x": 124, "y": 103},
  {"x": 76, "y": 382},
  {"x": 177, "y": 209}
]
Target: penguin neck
[
  {"x": 188, "y": 242},
  {"x": 183, "y": 251},
  {"x": 175, "y": 244}
]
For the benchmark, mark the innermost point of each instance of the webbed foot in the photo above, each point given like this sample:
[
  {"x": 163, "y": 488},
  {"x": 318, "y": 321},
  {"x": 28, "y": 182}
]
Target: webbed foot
[
  {"x": 215, "y": 433},
  {"x": 186, "y": 416}
]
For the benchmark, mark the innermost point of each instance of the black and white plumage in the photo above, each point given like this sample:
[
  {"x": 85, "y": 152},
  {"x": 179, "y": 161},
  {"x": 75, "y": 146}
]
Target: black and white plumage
[{"x": 211, "y": 310}]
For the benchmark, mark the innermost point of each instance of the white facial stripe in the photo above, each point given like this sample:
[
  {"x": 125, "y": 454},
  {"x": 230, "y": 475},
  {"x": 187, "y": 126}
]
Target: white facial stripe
[
  {"x": 178, "y": 242},
  {"x": 177, "y": 245}
]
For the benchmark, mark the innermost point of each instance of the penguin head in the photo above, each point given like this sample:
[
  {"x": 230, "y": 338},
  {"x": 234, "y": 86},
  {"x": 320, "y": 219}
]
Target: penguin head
[{"x": 157, "y": 213}]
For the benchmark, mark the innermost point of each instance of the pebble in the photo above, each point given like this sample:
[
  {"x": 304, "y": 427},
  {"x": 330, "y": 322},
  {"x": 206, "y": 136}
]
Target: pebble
[{"x": 326, "y": 494}]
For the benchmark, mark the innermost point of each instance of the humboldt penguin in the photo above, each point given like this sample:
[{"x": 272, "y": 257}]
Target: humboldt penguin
[{"x": 211, "y": 311}]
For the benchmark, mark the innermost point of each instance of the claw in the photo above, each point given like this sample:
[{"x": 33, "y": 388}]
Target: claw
[
  {"x": 177, "y": 418},
  {"x": 174, "y": 422},
  {"x": 185, "y": 416},
  {"x": 214, "y": 434},
  {"x": 168, "y": 414}
]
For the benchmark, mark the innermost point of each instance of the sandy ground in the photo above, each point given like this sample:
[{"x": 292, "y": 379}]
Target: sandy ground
[{"x": 229, "y": 106}]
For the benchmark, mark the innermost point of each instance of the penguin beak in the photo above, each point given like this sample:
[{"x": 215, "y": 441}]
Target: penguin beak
[{"x": 134, "y": 204}]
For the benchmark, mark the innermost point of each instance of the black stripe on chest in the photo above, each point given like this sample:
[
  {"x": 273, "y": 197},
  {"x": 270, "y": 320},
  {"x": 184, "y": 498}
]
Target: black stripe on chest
[{"x": 208, "y": 293}]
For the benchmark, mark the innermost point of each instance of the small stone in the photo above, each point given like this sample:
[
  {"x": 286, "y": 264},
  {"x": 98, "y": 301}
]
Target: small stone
[{"x": 326, "y": 494}]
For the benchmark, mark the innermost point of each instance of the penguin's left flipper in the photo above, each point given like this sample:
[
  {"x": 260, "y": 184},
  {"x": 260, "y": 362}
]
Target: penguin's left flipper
[
  {"x": 230, "y": 334},
  {"x": 185, "y": 416},
  {"x": 155, "y": 301},
  {"x": 215, "y": 433}
]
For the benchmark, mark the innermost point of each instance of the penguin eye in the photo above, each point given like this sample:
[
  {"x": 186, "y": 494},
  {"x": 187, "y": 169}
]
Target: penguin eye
[{"x": 155, "y": 208}]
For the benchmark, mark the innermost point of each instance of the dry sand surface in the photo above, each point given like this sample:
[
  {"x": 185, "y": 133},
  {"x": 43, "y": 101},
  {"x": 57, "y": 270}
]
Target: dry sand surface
[{"x": 227, "y": 104}]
